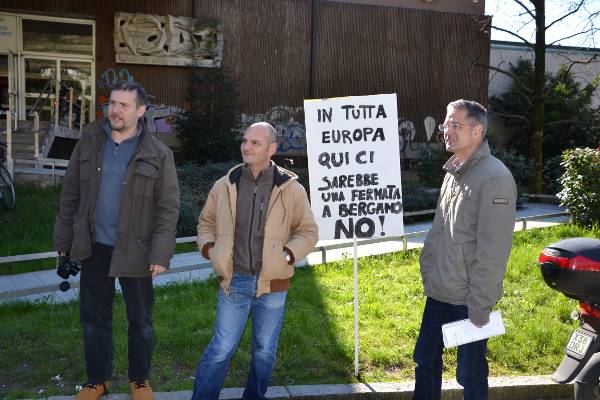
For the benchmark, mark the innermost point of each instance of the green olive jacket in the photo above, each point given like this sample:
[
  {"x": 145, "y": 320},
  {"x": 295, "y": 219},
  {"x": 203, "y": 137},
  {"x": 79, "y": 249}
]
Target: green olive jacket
[{"x": 148, "y": 212}]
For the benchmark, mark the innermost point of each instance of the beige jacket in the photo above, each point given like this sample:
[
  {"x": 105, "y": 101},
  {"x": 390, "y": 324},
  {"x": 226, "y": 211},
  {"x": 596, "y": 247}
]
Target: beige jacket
[
  {"x": 289, "y": 223},
  {"x": 465, "y": 253}
]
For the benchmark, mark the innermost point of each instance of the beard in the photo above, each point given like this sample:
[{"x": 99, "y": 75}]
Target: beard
[{"x": 116, "y": 123}]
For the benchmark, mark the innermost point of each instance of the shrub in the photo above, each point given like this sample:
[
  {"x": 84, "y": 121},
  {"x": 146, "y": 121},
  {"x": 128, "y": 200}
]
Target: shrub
[
  {"x": 581, "y": 184},
  {"x": 208, "y": 129},
  {"x": 430, "y": 161},
  {"x": 551, "y": 174},
  {"x": 520, "y": 166},
  {"x": 417, "y": 197},
  {"x": 195, "y": 183}
]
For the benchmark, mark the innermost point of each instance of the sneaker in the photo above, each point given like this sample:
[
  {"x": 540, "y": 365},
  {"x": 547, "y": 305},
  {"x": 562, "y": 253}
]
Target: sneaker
[
  {"x": 92, "y": 391},
  {"x": 141, "y": 391}
]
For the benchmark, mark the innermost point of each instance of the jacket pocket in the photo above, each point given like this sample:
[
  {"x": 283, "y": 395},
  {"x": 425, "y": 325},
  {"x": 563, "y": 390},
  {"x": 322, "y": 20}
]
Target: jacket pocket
[
  {"x": 457, "y": 270},
  {"x": 274, "y": 264},
  {"x": 137, "y": 257},
  {"x": 220, "y": 256},
  {"x": 144, "y": 177},
  {"x": 143, "y": 181},
  {"x": 82, "y": 242}
]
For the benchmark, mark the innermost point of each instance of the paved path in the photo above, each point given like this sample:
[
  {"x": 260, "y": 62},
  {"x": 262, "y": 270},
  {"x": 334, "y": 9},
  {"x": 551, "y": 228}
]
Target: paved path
[
  {"x": 43, "y": 285},
  {"x": 501, "y": 388}
]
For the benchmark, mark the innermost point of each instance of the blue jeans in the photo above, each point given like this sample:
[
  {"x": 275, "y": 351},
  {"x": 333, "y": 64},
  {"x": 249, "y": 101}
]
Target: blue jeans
[
  {"x": 472, "y": 369},
  {"x": 232, "y": 314}
]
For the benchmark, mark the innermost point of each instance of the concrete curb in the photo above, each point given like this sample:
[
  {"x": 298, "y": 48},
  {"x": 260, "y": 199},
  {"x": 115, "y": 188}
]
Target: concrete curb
[{"x": 501, "y": 388}]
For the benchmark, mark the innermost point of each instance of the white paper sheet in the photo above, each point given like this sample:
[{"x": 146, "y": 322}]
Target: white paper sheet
[{"x": 460, "y": 332}]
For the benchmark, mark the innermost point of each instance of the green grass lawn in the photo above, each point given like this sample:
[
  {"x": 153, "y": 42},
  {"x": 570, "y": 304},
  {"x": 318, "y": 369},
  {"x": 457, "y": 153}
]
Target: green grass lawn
[
  {"x": 28, "y": 229},
  {"x": 38, "y": 342}
]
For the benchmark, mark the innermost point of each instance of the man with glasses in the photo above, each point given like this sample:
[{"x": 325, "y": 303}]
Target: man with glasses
[
  {"x": 464, "y": 257},
  {"x": 256, "y": 222},
  {"x": 118, "y": 215}
]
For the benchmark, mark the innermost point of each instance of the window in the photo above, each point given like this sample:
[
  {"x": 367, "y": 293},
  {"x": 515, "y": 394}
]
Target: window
[{"x": 57, "y": 37}]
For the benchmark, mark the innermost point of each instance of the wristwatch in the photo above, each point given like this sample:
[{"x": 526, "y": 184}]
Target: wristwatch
[{"x": 287, "y": 256}]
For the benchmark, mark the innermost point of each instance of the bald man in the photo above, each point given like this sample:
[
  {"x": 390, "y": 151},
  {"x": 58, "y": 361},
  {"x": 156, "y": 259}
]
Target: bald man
[{"x": 256, "y": 222}]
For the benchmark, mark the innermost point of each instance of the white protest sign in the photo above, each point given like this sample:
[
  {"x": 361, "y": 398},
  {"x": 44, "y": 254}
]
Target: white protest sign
[{"x": 354, "y": 166}]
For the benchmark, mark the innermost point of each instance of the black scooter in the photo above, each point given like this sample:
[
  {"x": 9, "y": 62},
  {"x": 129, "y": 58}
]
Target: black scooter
[{"x": 572, "y": 267}]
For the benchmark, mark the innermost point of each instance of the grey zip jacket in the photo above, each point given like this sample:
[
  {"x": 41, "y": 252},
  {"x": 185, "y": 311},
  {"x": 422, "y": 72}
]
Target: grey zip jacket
[{"x": 465, "y": 253}]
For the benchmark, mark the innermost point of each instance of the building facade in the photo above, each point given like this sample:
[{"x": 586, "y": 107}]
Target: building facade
[{"x": 280, "y": 51}]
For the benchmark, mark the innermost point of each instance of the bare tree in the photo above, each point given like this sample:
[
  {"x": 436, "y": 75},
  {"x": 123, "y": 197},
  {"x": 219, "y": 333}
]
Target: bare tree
[{"x": 534, "y": 12}]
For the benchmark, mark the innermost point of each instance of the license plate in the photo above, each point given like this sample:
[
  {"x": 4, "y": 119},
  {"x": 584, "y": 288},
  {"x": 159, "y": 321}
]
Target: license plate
[{"x": 579, "y": 344}]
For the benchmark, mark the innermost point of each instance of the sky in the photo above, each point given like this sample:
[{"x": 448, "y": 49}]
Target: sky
[{"x": 508, "y": 14}]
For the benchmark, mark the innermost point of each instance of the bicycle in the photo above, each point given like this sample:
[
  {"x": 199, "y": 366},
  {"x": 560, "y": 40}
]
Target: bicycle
[{"x": 7, "y": 188}]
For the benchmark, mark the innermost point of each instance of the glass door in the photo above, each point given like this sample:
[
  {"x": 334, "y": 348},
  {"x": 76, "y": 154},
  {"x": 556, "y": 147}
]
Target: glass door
[
  {"x": 8, "y": 83},
  {"x": 76, "y": 93},
  {"x": 13, "y": 91},
  {"x": 41, "y": 87},
  {"x": 4, "y": 86}
]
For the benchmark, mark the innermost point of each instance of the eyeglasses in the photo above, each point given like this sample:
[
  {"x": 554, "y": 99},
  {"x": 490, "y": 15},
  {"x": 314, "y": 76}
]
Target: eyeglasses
[{"x": 452, "y": 125}]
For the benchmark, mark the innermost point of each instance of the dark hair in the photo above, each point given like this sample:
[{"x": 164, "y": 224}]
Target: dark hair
[
  {"x": 129, "y": 86},
  {"x": 474, "y": 110}
]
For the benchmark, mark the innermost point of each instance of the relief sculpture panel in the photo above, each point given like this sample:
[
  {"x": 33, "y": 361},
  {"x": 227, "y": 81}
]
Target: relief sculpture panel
[{"x": 167, "y": 40}]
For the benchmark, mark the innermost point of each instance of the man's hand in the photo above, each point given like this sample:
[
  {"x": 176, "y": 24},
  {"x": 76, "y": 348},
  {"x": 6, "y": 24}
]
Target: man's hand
[
  {"x": 156, "y": 269},
  {"x": 477, "y": 324}
]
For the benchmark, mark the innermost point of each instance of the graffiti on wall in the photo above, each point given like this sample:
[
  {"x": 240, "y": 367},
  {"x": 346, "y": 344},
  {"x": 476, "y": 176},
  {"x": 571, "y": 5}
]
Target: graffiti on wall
[
  {"x": 291, "y": 133},
  {"x": 158, "y": 119},
  {"x": 407, "y": 133},
  {"x": 112, "y": 76}
]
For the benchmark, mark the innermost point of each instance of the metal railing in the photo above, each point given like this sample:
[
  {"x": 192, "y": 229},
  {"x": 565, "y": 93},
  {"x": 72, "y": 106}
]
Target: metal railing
[
  {"x": 319, "y": 249},
  {"x": 44, "y": 289}
]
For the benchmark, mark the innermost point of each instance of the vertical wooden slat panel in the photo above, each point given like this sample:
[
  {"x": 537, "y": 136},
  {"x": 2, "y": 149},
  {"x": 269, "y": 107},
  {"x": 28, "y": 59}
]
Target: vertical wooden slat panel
[
  {"x": 266, "y": 48},
  {"x": 425, "y": 57}
]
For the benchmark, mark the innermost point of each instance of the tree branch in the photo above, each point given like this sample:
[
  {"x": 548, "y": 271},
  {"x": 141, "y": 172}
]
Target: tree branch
[
  {"x": 527, "y": 10},
  {"x": 527, "y": 42},
  {"x": 515, "y": 78},
  {"x": 566, "y": 15},
  {"x": 568, "y": 121},
  {"x": 590, "y": 30},
  {"x": 573, "y": 62},
  {"x": 515, "y": 116}
]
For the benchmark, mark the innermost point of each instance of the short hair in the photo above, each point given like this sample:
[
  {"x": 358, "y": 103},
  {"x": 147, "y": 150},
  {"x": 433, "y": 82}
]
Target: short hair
[
  {"x": 272, "y": 131},
  {"x": 475, "y": 111},
  {"x": 129, "y": 86}
]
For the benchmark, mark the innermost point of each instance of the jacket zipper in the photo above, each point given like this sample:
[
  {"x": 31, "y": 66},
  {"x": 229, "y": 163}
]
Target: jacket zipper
[
  {"x": 251, "y": 225},
  {"x": 260, "y": 211}
]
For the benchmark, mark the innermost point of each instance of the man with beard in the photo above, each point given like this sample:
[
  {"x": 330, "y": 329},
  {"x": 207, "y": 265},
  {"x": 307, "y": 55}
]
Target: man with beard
[{"x": 118, "y": 214}]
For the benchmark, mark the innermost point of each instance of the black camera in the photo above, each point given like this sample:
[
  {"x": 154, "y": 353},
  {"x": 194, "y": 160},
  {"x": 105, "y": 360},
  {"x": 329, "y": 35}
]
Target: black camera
[{"x": 65, "y": 269}]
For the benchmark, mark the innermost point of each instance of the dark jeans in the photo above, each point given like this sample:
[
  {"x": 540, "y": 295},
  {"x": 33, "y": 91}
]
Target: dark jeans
[
  {"x": 96, "y": 302},
  {"x": 472, "y": 369}
]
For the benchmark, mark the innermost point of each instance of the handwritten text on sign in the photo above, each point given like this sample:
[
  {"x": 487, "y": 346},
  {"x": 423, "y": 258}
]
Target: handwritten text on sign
[{"x": 354, "y": 166}]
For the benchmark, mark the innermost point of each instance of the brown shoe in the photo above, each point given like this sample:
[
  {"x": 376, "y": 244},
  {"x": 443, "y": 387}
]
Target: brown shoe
[
  {"x": 92, "y": 391},
  {"x": 141, "y": 391}
]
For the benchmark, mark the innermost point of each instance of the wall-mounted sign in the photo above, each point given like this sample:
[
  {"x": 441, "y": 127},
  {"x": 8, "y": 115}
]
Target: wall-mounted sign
[
  {"x": 8, "y": 33},
  {"x": 167, "y": 40}
]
